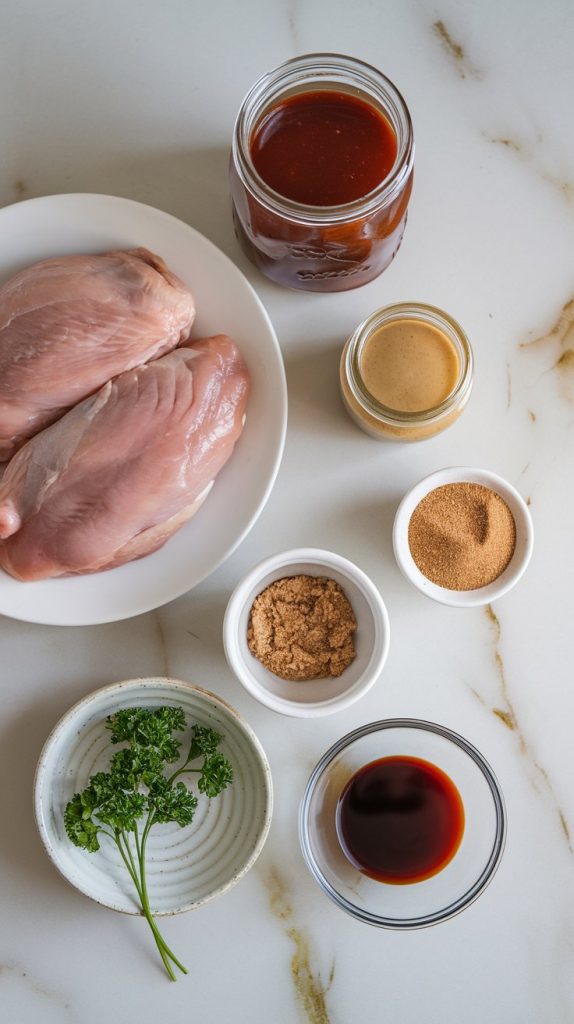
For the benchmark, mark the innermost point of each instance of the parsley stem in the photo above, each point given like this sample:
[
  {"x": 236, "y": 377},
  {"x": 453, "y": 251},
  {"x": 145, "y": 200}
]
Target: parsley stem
[
  {"x": 183, "y": 771},
  {"x": 138, "y": 848},
  {"x": 145, "y": 834},
  {"x": 145, "y": 901},
  {"x": 126, "y": 839},
  {"x": 160, "y": 945},
  {"x": 128, "y": 860},
  {"x": 132, "y": 872}
]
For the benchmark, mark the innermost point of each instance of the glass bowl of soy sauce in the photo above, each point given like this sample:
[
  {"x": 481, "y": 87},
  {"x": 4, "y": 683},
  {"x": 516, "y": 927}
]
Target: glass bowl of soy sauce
[{"x": 402, "y": 823}]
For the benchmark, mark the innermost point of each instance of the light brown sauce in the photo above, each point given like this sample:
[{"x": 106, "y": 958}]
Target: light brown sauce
[{"x": 409, "y": 365}]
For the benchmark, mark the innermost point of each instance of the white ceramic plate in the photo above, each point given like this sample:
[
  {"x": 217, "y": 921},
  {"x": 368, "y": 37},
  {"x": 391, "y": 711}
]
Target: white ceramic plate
[
  {"x": 226, "y": 303},
  {"x": 186, "y": 867}
]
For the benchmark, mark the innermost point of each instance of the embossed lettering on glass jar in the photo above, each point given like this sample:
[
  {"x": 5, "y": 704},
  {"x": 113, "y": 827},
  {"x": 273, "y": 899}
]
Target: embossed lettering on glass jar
[
  {"x": 321, "y": 248},
  {"x": 429, "y": 375}
]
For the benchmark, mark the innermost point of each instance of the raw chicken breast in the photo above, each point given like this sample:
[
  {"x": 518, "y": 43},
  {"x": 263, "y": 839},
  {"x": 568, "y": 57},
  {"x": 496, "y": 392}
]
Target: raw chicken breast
[
  {"x": 69, "y": 324},
  {"x": 124, "y": 469}
]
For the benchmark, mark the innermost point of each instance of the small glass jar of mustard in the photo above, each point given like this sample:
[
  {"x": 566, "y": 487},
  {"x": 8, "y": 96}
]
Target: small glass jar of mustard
[{"x": 406, "y": 372}]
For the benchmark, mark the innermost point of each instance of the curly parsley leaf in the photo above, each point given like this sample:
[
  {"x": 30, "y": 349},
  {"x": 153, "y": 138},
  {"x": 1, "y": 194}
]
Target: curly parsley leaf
[
  {"x": 136, "y": 789},
  {"x": 216, "y": 775},
  {"x": 204, "y": 741},
  {"x": 172, "y": 802},
  {"x": 132, "y": 766},
  {"x": 80, "y": 828},
  {"x": 149, "y": 729}
]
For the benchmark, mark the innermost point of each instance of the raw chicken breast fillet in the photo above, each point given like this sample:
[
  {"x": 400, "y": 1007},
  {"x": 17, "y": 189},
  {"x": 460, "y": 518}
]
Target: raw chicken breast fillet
[
  {"x": 124, "y": 469},
  {"x": 69, "y": 324}
]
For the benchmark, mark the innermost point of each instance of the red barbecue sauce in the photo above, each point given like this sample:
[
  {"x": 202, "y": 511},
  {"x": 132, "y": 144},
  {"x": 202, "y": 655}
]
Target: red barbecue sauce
[
  {"x": 400, "y": 820},
  {"x": 323, "y": 148}
]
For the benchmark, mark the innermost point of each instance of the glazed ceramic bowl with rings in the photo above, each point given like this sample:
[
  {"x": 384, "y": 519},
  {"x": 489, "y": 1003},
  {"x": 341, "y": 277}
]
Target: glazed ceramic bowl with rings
[
  {"x": 186, "y": 867},
  {"x": 317, "y": 696},
  {"x": 522, "y": 551},
  {"x": 421, "y": 903}
]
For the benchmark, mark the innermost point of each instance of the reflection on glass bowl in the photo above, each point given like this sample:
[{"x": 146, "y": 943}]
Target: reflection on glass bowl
[{"x": 447, "y": 892}]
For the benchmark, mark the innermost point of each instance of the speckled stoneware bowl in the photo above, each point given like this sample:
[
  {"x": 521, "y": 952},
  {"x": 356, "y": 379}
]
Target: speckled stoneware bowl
[{"x": 186, "y": 867}]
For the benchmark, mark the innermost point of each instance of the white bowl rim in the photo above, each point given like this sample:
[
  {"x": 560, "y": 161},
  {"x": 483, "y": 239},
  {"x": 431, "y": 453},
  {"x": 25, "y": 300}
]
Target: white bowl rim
[
  {"x": 174, "y": 685},
  {"x": 326, "y": 559},
  {"x": 490, "y": 868},
  {"x": 461, "y": 598}
]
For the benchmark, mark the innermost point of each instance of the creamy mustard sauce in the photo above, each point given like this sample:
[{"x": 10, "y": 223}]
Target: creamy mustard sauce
[{"x": 409, "y": 365}]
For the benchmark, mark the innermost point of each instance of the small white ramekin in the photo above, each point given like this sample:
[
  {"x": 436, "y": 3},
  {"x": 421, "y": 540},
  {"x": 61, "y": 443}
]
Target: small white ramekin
[
  {"x": 515, "y": 568},
  {"x": 317, "y": 696}
]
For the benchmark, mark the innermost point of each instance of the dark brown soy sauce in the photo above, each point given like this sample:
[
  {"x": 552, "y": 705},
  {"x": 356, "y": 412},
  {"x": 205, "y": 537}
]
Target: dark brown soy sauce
[{"x": 400, "y": 820}]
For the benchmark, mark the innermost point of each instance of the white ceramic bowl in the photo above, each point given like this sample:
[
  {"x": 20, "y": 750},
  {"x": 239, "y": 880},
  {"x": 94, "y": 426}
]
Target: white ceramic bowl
[
  {"x": 185, "y": 867},
  {"x": 517, "y": 564},
  {"x": 318, "y": 696}
]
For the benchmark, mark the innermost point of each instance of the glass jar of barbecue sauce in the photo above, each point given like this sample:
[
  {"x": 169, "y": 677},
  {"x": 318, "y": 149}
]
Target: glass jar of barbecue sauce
[{"x": 321, "y": 172}]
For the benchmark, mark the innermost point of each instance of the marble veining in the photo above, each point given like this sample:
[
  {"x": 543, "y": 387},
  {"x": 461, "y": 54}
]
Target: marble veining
[
  {"x": 156, "y": 615},
  {"x": 529, "y": 154},
  {"x": 559, "y": 342},
  {"x": 458, "y": 56},
  {"x": 506, "y": 714},
  {"x": 311, "y": 991},
  {"x": 17, "y": 973},
  {"x": 562, "y": 331},
  {"x": 293, "y": 23}
]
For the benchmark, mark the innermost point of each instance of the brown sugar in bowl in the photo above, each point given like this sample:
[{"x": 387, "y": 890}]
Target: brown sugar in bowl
[
  {"x": 319, "y": 696},
  {"x": 508, "y": 569},
  {"x": 301, "y": 628}
]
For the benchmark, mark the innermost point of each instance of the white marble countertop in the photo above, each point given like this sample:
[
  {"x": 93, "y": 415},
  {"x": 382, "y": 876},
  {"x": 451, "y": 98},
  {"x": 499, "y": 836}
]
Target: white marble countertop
[{"x": 138, "y": 99}]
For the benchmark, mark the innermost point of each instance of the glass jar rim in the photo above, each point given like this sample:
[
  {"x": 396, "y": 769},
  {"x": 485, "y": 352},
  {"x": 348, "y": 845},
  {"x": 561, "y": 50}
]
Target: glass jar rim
[
  {"x": 431, "y": 315},
  {"x": 273, "y": 84}
]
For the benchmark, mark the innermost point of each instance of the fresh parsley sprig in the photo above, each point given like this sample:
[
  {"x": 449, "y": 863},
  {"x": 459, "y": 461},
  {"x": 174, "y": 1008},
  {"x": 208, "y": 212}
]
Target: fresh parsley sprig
[{"x": 137, "y": 790}]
